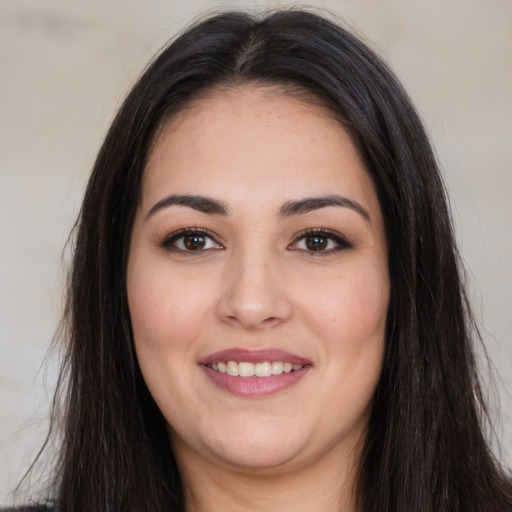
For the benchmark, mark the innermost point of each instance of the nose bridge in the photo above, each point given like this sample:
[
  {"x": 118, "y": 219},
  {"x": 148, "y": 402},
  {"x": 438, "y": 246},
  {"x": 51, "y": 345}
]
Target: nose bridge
[{"x": 255, "y": 293}]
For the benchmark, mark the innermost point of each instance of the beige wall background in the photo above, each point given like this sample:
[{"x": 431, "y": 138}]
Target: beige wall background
[{"x": 64, "y": 67}]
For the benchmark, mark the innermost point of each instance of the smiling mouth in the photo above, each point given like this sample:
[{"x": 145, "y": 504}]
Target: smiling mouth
[{"x": 261, "y": 369}]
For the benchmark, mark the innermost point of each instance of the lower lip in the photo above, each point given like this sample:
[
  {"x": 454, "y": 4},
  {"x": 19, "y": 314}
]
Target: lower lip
[{"x": 255, "y": 386}]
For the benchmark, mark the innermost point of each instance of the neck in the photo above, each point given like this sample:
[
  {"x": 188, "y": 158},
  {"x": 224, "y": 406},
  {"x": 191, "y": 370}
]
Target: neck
[{"x": 326, "y": 487}]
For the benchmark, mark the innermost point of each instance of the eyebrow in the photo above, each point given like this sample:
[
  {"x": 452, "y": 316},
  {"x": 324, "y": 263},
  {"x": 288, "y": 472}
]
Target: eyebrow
[
  {"x": 200, "y": 203},
  {"x": 212, "y": 206},
  {"x": 310, "y": 204}
]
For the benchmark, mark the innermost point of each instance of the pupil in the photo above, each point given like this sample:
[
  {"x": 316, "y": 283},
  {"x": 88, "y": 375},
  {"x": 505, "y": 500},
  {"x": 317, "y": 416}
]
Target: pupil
[
  {"x": 316, "y": 243},
  {"x": 194, "y": 242}
]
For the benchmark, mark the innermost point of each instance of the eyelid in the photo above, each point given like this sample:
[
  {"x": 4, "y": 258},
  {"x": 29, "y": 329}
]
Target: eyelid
[
  {"x": 170, "y": 239},
  {"x": 340, "y": 240}
]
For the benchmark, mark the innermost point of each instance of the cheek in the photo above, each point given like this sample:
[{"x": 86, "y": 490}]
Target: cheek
[
  {"x": 165, "y": 313},
  {"x": 166, "y": 320},
  {"x": 349, "y": 308}
]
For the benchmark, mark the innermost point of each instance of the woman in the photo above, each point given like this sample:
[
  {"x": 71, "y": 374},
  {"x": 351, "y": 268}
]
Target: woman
[{"x": 265, "y": 308}]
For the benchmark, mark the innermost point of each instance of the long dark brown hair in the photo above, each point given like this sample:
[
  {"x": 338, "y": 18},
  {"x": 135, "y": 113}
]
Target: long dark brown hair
[{"x": 426, "y": 448}]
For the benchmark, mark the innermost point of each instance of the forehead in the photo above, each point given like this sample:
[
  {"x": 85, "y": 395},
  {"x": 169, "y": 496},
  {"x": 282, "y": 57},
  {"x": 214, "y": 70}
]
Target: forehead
[{"x": 262, "y": 137}]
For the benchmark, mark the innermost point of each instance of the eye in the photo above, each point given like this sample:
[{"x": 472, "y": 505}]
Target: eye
[
  {"x": 190, "y": 240},
  {"x": 320, "y": 241}
]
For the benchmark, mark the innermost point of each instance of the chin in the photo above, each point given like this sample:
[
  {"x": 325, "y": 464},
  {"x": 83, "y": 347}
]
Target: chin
[
  {"x": 256, "y": 457},
  {"x": 251, "y": 446}
]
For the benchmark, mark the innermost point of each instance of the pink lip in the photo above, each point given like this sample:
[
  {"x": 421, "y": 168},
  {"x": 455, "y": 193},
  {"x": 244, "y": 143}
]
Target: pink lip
[{"x": 254, "y": 386}]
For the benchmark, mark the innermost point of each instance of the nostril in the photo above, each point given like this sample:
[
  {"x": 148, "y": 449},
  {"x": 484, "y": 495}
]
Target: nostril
[{"x": 252, "y": 301}]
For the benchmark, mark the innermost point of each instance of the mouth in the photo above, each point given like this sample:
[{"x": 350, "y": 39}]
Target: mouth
[
  {"x": 261, "y": 369},
  {"x": 254, "y": 373}
]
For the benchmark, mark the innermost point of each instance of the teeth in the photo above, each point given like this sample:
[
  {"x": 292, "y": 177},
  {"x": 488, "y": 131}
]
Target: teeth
[
  {"x": 232, "y": 368},
  {"x": 277, "y": 367},
  {"x": 245, "y": 369},
  {"x": 263, "y": 369}
]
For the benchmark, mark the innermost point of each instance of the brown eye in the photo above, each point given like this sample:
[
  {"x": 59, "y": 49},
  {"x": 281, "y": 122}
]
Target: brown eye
[
  {"x": 316, "y": 243},
  {"x": 194, "y": 242},
  {"x": 321, "y": 242},
  {"x": 190, "y": 240}
]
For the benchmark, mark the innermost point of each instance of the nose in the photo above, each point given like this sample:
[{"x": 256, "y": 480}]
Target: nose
[{"x": 255, "y": 294}]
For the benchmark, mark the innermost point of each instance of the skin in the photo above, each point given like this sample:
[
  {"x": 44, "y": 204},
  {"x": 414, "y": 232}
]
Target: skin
[{"x": 257, "y": 284}]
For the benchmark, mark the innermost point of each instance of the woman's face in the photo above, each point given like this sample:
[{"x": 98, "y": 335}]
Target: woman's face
[{"x": 259, "y": 244}]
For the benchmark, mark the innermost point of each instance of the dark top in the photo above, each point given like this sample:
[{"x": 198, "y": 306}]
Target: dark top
[{"x": 31, "y": 508}]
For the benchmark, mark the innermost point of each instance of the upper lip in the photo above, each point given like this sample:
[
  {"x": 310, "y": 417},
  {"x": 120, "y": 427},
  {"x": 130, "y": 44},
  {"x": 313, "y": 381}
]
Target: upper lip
[{"x": 253, "y": 356}]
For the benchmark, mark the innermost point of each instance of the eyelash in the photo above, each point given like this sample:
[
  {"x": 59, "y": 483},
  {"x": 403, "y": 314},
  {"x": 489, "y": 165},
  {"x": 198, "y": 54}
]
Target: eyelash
[
  {"x": 341, "y": 242},
  {"x": 169, "y": 242}
]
